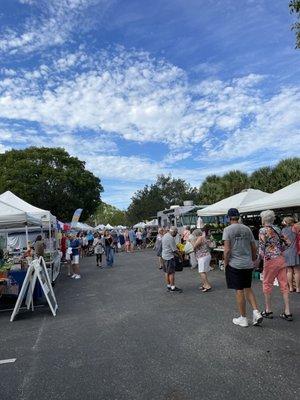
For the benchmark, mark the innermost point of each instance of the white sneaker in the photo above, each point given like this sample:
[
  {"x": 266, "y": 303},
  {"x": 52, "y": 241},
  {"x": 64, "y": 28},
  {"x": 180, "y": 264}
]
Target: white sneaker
[
  {"x": 77, "y": 277},
  {"x": 257, "y": 317},
  {"x": 241, "y": 321},
  {"x": 73, "y": 276}
]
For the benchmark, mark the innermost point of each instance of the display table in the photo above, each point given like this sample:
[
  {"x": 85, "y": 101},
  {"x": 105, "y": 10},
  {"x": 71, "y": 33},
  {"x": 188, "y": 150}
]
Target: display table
[
  {"x": 14, "y": 282},
  {"x": 217, "y": 255}
]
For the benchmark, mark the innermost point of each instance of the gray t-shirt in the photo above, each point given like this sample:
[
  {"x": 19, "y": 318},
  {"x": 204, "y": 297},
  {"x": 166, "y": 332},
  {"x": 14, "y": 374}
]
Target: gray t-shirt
[
  {"x": 240, "y": 238},
  {"x": 168, "y": 246}
]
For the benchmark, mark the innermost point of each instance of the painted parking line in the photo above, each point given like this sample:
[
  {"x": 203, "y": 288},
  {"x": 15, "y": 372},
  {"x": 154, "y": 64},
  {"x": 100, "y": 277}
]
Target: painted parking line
[{"x": 9, "y": 360}]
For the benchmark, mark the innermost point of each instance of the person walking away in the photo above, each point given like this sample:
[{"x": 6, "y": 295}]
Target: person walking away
[
  {"x": 203, "y": 257},
  {"x": 272, "y": 244},
  {"x": 158, "y": 247},
  {"x": 75, "y": 246},
  {"x": 121, "y": 240},
  {"x": 132, "y": 238},
  {"x": 239, "y": 254},
  {"x": 98, "y": 249},
  {"x": 39, "y": 246},
  {"x": 292, "y": 258},
  {"x": 90, "y": 240},
  {"x": 139, "y": 240},
  {"x": 169, "y": 251},
  {"x": 109, "y": 249},
  {"x": 127, "y": 241},
  {"x": 190, "y": 251}
]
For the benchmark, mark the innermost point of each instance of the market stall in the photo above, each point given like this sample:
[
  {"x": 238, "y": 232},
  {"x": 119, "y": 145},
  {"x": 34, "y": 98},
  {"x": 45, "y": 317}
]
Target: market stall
[
  {"x": 13, "y": 262},
  {"x": 49, "y": 228},
  {"x": 238, "y": 201},
  {"x": 286, "y": 198}
]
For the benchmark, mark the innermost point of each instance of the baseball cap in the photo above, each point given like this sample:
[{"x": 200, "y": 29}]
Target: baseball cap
[{"x": 233, "y": 212}]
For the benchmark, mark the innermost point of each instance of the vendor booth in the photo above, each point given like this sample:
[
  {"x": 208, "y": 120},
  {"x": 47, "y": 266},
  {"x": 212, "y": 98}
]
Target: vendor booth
[
  {"x": 13, "y": 261},
  {"x": 286, "y": 198},
  {"x": 49, "y": 229},
  {"x": 236, "y": 201}
]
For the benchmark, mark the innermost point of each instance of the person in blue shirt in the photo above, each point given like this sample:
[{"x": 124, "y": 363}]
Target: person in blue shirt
[
  {"x": 75, "y": 246},
  {"x": 132, "y": 238}
]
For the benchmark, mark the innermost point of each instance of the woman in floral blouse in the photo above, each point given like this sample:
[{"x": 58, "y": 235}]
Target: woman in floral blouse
[
  {"x": 203, "y": 257},
  {"x": 271, "y": 246}
]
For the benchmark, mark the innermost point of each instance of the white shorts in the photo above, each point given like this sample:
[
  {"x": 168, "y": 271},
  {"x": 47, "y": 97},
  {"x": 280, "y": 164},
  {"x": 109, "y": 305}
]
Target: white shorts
[
  {"x": 204, "y": 263},
  {"x": 75, "y": 259}
]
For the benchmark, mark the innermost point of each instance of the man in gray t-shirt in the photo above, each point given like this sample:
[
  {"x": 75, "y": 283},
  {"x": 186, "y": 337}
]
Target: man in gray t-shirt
[
  {"x": 242, "y": 243},
  {"x": 239, "y": 255},
  {"x": 169, "y": 251}
]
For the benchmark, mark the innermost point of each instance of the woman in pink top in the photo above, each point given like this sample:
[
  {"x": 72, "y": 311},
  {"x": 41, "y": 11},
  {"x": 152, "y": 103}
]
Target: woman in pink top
[{"x": 271, "y": 247}]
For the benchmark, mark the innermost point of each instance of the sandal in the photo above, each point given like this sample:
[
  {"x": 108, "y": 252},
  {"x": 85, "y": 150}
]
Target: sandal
[
  {"x": 267, "y": 314},
  {"x": 204, "y": 290},
  {"x": 287, "y": 317}
]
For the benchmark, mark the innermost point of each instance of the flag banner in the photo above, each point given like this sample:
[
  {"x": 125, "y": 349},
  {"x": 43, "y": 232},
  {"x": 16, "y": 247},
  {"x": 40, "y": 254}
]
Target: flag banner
[{"x": 76, "y": 217}]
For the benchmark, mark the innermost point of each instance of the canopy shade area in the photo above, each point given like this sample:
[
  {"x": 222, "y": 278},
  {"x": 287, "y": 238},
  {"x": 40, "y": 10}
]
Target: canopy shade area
[
  {"x": 83, "y": 227},
  {"x": 100, "y": 226},
  {"x": 238, "y": 201},
  {"x": 108, "y": 226},
  {"x": 140, "y": 225},
  {"x": 15, "y": 201},
  {"x": 288, "y": 197},
  {"x": 153, "y": 222},
  {"x": 12, "y": 217}
]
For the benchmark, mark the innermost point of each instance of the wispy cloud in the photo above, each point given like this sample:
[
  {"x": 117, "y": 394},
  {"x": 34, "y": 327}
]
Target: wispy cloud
[{"x": 53, "y": 24}]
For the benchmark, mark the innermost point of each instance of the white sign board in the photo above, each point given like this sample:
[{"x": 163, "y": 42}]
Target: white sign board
[{"x": 37, "y": 270}]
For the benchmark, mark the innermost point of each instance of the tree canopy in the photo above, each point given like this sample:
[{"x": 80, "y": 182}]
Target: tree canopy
[
  {"x": 51, "y": 179},
  {"x": 295, "y": 9},
  {"x": 215, "y": 188},
  {"x": 108, "y": 214},
  {"x": 166, "y": 191}
]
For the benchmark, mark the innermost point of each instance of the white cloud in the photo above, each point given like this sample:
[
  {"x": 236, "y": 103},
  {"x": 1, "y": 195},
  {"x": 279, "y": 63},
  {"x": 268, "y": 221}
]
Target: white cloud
[
  {"x": 129, "y": 94},
  {"x": 53, "y": 23},
  {"x": 274, "y": 128}
]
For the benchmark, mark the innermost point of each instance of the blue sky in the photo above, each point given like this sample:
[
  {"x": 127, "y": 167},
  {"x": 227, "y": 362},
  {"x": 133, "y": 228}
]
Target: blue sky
[{"x": 138, "y": 88}]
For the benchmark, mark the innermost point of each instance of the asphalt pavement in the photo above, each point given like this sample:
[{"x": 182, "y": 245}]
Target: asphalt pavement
[{"x": 119, "y": 335}]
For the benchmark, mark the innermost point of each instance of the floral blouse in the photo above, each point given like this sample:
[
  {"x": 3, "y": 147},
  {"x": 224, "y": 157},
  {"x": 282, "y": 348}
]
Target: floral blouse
[
  {"x": 270, "y": 245},
  {"x": 203, "y": 250}
]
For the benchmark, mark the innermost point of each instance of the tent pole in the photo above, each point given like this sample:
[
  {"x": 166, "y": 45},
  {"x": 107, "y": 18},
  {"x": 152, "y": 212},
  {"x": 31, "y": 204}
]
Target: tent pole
[
  {"x": 26, "y": 233},
  {"x": 50, "y": 241}
]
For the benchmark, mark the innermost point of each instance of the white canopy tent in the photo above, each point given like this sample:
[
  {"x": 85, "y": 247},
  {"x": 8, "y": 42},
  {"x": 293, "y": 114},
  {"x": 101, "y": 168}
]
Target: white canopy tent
[
  {"x": 100, "y": 226},
  {"x": 288, "y": 197},
  {"x": 153, "y": 222},
  {"x": 140, "y": 225},
  {"x": 83, "y": 227},
  {"x": 10, "y": 198},
  {"x": 236, "y": 201},
  {"x": 47, "y": 218},
  {"x": 12, "y": 217},
  {"x": 108, "y": 226}
]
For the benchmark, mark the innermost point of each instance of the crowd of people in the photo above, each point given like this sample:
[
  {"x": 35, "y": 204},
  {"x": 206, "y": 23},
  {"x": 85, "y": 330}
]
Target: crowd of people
[
  {"x": 278, "y": 250},
  {"x": 75, "y": 246}
]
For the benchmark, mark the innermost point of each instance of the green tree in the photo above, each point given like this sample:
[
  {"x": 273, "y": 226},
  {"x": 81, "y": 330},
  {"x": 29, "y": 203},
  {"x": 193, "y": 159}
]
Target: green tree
[
  {"x": 108, "y": 214},
  {"x": 295, "y": 9},
  {"x": 234, "y": 182},
  {"x": 286, "y": 172},
  {"x": 51, "y": 179},
  {"x": 166, "y": 191},
  {"x": 262, "y": 179},
  {"x": 215, "y": 188}
]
